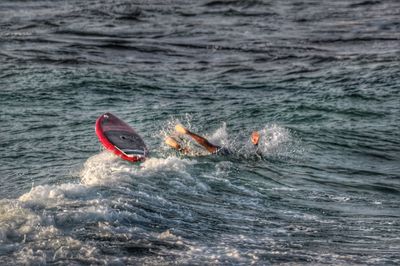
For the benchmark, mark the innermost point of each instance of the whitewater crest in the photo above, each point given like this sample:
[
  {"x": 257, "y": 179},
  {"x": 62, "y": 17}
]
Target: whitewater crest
[
  {"x": 41, "y": 218},
  {"x": 107, "y": 169}
]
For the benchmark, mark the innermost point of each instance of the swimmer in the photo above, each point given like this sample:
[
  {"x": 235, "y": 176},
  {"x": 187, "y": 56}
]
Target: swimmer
[{"x": 211, "y": 148}]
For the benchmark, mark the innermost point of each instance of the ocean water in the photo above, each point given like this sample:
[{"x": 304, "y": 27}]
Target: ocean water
[{"x": 319, "y": 79}]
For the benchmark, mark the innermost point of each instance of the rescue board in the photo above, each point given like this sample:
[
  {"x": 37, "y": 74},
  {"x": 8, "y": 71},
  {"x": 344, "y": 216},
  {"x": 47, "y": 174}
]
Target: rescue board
[{"x": 119, "y": 138}]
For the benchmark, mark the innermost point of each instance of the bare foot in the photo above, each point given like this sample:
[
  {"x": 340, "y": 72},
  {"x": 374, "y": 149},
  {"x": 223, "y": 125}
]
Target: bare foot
[
  {"x": 172, "y": 143},
  {"x": 181, "y": 129}
]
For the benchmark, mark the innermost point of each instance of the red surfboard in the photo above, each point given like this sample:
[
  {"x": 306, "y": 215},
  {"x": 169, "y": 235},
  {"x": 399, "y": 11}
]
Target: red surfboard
[{"x": 119, "y": 138}]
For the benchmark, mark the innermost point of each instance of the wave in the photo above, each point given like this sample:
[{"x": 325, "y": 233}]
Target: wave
[{"x": 45, "y": 223}]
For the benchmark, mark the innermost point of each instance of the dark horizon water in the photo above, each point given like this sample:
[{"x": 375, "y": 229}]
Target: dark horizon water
[{"x": 318, "y": 79}]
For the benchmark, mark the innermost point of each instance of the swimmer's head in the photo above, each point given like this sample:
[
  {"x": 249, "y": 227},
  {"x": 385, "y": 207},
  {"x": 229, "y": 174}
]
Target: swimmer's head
[{"x": 255, "y": 137}]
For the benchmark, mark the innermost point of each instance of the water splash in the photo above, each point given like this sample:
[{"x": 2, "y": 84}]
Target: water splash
[{"x": 275, "y": 140}]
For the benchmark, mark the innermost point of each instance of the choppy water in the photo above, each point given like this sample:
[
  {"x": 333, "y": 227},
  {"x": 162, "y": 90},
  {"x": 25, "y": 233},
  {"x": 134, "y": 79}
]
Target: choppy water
[{"x": 320, "y": 79}]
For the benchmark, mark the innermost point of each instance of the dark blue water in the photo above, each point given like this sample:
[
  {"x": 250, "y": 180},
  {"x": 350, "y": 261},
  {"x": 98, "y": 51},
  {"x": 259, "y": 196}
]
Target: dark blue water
[{"x": 318, "y": 79}]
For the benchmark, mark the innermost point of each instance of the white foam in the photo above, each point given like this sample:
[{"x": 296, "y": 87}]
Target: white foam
[
  {"x": 168, "y": 235},
  {"x": 44, "y": 194},
  {"x": 32, "y": 237},
  {"x": 339, "y": 198},
  {"x": 28, "y": 256},
  {"x": 15, "y": 221},
  {"x": 55, "y": 248},
  {"x": 283, "y": 189},
  {"x": 170, "y": 163},
  {"x": 107, "y": 169}
]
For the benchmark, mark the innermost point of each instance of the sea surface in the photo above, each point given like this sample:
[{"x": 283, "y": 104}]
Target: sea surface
[{"x": 320, "y": 80}]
